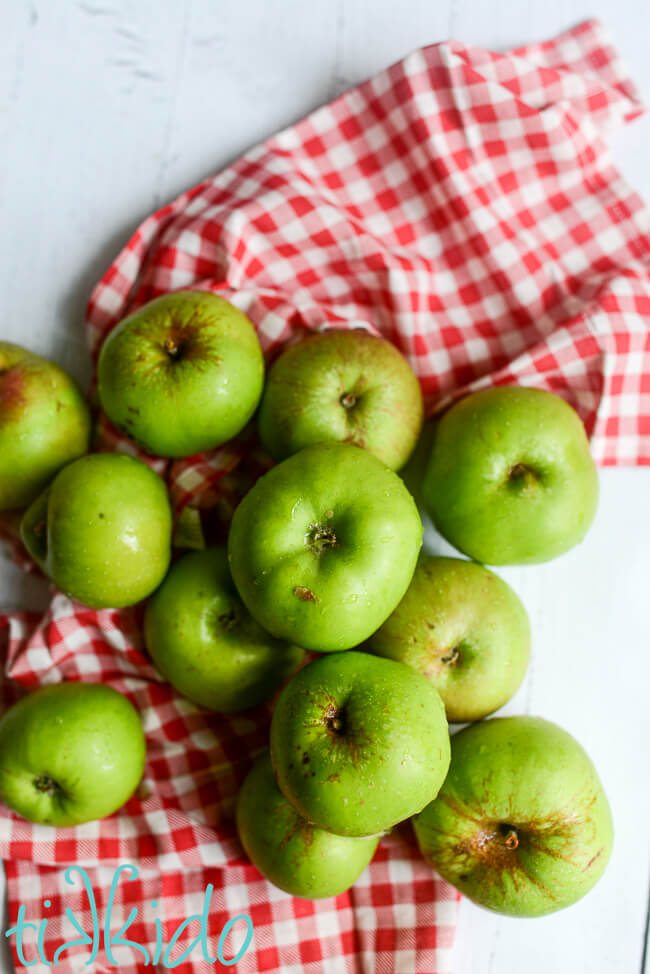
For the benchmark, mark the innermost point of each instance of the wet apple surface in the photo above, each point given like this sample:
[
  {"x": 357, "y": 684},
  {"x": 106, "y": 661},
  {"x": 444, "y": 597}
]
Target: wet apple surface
[
  {"x": 204, "y": 641},
  {"x": 510, "y": 479},
  {"x": 70, "y": 753},
  {"x": 465, "y": 629},
  {"x": 102, "y": 530},
  {"x": 324, "y": 546},
  {"x": 345, "y": 386},
  {"x": 181, "y": 375},
  {"x": 294, "y": 854},
  {"x": 359, "y": 743},
  {"x": 521, "y": 825}
]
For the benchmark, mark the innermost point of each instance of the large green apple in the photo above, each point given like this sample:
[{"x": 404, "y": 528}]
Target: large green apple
[
  {"x": 344, "y": 386},
  {"x": 44, "y": 424},
  {"x": 324, "y": 546},
  {"x": 359, "y": 743},
  {"x": 510, "y": 479},
  {"x": 70, "y": 753},
  {"x": 294, "y": 855},
  {"x": 522, "y": 824},
  {"x": 465, "y": 629},
  {"x": 102, "y": 530},
  {"x": 204, "y": 641},
  {"x": 181, "y": 375}
]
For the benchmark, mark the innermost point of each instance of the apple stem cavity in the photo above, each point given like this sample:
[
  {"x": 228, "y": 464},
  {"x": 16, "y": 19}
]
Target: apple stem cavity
[
  {"x": 172, "y": 348},
  {"x": 227, "y": 620},
  {"x": 334, "y": 721},
  {"x": 522, "y": 477},
  {"x": 348, "y": 400},
  {"x": 510, "y": 836},
  {"x": 319, "y": 538},
  {"x": 46, "y": 785},
  {"x": 452, "y": 656}
]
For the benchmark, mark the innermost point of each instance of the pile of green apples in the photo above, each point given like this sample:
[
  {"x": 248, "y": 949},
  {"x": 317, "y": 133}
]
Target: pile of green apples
[{"x": 323, "y": 555}]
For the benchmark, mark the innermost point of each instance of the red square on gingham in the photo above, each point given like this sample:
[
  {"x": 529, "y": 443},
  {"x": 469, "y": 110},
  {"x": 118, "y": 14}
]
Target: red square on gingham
[{"x": 461, "y": 203}]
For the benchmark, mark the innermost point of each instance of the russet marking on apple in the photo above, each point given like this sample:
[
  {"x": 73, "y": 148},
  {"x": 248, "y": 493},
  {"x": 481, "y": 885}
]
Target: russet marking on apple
[{"x": 521, "y": 825}]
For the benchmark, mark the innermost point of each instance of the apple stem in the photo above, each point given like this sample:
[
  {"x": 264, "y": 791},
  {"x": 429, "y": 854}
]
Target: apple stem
[
  {"x": 334, "y": 721},
  {"x": 348, "y": 400},
  {"x": 512, "y": 839},
  {"x": 227, "y": 620},
  {"x": 452, "y": 656},
  {"x": 171, "y": 347},
  {"x": 522, "y": 476},
  {"x": 46, "y": 785},
  {"x": 320, "y": 537}
]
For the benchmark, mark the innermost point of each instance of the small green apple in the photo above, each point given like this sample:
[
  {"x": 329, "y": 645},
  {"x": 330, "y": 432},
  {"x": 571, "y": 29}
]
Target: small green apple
[
  {"x": 294, "y": 855},
  {"x": 204, "y": 641},
  {"x": 344, "y": 386},
  {"x": 44, "y": 424},
  {"x": 70, "y": 753},
  {"x": 181, "y": 375},
  {"x": 102, "y": 530},
  {"x": 510, "y": 479},
  {"x": 465, "y": 629},
  {"x": 359, "y": 743},
  {"x": 324, "y": 546},
  {"x": 522, "y": 824}
]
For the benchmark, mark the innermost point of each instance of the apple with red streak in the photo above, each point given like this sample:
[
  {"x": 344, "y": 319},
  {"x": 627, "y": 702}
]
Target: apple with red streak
[{"x": 44, "y": 424}]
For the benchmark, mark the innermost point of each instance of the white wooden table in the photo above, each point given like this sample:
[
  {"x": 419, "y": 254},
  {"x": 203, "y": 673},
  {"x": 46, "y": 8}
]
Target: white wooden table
[{"x": 109, "y": 107}]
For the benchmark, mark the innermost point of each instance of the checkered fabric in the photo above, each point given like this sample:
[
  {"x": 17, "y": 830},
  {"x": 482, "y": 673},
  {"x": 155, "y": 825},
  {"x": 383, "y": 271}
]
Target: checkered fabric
[
  {"x": 462, "y": 204},
  {"x": 178, "y": 830}
]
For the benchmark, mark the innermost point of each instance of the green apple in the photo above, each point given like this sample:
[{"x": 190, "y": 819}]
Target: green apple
[
  {"x": 324, "y": 546},
  {"x": 294, "y": 855},
  {"x": 522, "y": 824},
  {"x": 70, "y": 753},
  {"x": 342, "y": 386},
  {"x": 205, "y": 642},
  {"x": 465, "y": 629},
  {"x": 359, "y": 743},
  {"x": 413, "y": 473},
  {"x": 102, "y": 530},
  {"x": 510, "y": 479},
  {"x": 181, "y": 375},
  {"x": 44, "y": 424}
]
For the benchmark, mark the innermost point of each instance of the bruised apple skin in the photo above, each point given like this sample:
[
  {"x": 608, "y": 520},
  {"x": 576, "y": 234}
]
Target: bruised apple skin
[
  {"x": 522, "y": 825},
  {"x": 465, "y": 629},
  {"x": 324, "y": 546},
  {"x": 510, "y": 479},
  {"x": 204, "y": 641},
  {"x": 291, "y": 853},
  {"x": 44, "y": 424},
  {"x": 181, "y": 375},
  {"x": 359, "y": 743},
  {"x": 346, "y": 387}
]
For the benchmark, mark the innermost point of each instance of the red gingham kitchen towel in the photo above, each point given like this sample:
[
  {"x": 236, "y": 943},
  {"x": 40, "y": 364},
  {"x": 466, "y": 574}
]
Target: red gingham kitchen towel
[
  {"x": 463, "y": 204},
  {"x": 178, "y": 830}
]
